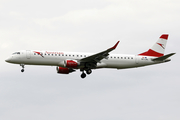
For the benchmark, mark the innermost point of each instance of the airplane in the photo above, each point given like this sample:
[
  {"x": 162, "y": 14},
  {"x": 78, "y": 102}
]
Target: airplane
[{"x": 68, "y": 62}]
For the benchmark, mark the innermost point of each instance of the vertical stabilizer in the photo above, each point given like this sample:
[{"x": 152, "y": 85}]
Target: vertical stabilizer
[{"x": 158, "y": 48}]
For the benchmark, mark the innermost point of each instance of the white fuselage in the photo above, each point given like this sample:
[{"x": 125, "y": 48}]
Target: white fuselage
[
  {"x": 68, "y": 62},
  {"x": 50, "y": 58}
]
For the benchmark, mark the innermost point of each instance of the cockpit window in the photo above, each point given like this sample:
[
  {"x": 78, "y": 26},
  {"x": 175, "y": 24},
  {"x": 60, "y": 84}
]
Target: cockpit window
[{"x": 16, "y": 53}]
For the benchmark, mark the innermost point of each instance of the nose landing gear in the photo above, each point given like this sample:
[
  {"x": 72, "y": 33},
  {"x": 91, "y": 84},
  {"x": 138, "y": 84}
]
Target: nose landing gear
[
  {"x": 22, "y": 65},
  {"x": 22, "y": 70}
]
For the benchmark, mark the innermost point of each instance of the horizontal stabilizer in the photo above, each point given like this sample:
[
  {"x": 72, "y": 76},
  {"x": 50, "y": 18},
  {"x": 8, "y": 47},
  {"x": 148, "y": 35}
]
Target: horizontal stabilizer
[{"x": 162, "y": 58}]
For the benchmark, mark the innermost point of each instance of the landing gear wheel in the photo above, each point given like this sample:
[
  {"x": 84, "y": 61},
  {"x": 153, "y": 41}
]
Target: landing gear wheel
[
  {"x": 22, "y": 65},
  {"x": 83, "y": 75},
  {"x": 22, "y": 70},
  {"x": 89, "y": 71}
]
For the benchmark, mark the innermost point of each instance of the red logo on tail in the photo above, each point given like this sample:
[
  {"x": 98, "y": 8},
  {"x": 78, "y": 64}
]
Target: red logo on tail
[{"x": 161, "y": 45}]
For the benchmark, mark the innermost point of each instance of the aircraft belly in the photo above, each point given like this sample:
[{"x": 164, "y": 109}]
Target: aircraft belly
[
  {"x": 120, "y": 64},
  {"x": 41, "y": 61}
]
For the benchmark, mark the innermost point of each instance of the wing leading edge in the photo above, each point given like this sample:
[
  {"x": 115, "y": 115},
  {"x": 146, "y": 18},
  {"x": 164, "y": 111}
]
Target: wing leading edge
[{"x": 99, "y": 56}]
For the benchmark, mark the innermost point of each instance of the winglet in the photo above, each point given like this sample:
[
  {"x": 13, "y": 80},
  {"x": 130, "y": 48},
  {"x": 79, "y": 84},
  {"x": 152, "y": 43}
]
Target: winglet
[{"x": 114, "y": 47}]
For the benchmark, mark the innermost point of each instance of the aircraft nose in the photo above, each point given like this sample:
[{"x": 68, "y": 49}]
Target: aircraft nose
[{"x": 8, "y": 60}]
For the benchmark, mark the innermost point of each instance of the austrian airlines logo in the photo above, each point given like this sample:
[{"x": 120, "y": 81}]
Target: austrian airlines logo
[
  {"x": 161, "y": 45},
  {"x": 39, "y": 54}
]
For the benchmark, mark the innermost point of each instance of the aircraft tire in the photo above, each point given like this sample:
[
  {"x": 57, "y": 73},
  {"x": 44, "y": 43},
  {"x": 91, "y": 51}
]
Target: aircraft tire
[
  {"x": 83, "y": 75},
  {"x": 89, "y": 71},
  {"x": 22, "y": 70}
]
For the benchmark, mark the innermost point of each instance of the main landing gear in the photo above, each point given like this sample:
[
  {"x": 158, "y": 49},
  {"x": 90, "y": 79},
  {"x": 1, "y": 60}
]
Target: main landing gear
[
  {"x": 83, "y": 75},
  {"x": 88, "y": 71},
  {"x": 22, "y": 65}
]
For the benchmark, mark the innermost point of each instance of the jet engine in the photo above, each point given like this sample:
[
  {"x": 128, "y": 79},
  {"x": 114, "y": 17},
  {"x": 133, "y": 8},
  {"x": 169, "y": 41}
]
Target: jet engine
[
  {"x": 71, "y": 63},
  {"x": 62, "y": 70}
]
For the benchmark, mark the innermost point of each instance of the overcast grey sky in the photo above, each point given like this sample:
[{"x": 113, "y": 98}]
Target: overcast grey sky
[{"x": 146, "y": 93}]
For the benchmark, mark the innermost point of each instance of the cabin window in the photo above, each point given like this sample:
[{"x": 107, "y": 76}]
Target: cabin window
[
  {"x": 131, "y": 57},
  {"x": 69, "y": 55},
  {"x": 16, "y": 53}
]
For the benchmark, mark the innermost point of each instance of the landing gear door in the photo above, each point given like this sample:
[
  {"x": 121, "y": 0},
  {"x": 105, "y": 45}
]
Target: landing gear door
[{"x": 28, "y": 54}]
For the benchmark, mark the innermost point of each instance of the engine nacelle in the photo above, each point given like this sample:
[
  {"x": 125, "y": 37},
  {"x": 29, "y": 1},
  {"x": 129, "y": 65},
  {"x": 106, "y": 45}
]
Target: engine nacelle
[
  {"x": 71, "y": 63},
  {"x": 62, "y": 70}
]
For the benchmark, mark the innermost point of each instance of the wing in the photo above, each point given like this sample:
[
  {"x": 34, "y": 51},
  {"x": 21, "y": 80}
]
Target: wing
[{"x": 99, "y": 56}]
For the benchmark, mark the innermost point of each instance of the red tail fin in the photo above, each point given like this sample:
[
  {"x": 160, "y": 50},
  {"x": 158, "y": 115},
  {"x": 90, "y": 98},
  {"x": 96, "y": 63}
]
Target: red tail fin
[{"x": 158, "y": 48}]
